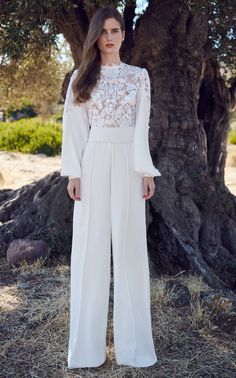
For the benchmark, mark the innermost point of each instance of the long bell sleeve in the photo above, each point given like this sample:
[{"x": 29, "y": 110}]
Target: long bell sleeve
[
  {"x": 142, "y": 157},
  {"x": 75, "y": 133}
]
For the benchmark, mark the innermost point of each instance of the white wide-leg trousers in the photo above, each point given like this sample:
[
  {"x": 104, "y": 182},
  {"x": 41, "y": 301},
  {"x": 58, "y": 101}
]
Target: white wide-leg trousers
[{"x": 111, "y": 210}]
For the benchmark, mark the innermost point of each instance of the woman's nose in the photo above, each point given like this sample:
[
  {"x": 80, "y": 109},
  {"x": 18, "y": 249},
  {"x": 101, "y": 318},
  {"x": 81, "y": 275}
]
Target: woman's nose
[{"x": 109, "y": 37}]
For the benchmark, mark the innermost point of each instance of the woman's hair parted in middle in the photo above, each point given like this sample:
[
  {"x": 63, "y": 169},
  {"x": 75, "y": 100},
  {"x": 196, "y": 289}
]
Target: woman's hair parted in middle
[{"x": 89, "y": 68}]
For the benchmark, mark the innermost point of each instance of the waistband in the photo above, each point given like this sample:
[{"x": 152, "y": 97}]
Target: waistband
[{"x": 111, "y": 134}]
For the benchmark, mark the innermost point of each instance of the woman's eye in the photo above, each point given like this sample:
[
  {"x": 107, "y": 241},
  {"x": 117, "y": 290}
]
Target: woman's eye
[{"x": 113, "y": 31}]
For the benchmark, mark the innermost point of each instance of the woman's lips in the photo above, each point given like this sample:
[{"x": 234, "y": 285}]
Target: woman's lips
[{"x": 109, "y": 45}]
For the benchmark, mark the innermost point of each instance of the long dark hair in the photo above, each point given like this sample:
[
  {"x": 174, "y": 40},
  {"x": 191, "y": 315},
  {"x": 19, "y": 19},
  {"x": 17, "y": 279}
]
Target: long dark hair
[{"x": 89, "y": 68}]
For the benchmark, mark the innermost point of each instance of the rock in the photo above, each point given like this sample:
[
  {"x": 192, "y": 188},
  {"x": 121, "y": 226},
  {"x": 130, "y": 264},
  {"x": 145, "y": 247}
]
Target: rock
[
  {"x": 182, "y": 293},
  {"x": 28, "y": 250},
  {"x": 222, "y": 307},
  {"x": 38, "y": 211},
  {"x": 23, "y": 286}
]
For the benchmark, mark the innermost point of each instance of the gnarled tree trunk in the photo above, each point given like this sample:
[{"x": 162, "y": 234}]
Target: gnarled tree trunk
[
  {"x": 191, "y": 218},
  {"x": 192, "y": 223}
]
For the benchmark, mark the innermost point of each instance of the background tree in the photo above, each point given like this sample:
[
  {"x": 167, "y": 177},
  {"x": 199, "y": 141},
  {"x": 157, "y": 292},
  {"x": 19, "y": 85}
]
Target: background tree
[
  {"x": 33, "y": 79},
  {"x": 191, "y": 218}
]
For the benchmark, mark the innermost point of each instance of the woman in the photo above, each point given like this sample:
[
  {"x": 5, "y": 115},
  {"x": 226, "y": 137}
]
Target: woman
[{"x": 105, "y": 153}]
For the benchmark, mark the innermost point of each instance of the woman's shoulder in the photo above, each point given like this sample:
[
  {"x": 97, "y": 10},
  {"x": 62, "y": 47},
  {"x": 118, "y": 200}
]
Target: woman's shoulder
[
  {"x": 139, "y": 72},
  {"x": 132, "y": 68}
]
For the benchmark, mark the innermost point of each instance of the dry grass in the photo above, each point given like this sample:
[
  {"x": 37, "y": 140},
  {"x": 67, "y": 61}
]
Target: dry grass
[{"x": 34, "y": 330}]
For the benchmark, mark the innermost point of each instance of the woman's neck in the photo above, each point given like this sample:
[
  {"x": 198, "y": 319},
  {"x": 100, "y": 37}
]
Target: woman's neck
[{"x": 110, "y": 62}]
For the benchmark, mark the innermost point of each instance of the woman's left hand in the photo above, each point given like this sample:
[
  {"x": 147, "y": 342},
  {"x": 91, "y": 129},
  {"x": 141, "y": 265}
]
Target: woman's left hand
[{"x": 149, "y": 187}]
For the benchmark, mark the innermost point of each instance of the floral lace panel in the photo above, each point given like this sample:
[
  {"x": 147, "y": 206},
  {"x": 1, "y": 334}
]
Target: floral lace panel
[{"x": 113, "y": 100}]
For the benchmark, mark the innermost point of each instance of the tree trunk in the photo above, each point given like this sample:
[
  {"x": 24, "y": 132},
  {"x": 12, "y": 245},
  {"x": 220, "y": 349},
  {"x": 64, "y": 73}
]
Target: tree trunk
[
  {"x": 191, "y": 218},
  {"x": 41, "y": 210},
  {"x": 192, "y": 215}
]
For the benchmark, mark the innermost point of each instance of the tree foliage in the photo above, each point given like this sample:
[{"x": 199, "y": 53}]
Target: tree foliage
[
  {"x": 33, "y": 79},
  {"x": 29, "y": 25}
]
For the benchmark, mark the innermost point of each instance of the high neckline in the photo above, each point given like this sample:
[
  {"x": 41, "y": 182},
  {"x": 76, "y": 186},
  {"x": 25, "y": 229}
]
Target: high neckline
[{"x": 113, "y": 65}]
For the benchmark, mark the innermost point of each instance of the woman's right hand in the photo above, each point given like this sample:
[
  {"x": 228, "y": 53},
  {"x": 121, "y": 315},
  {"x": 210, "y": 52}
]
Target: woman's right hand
[{"x": 73, "y": 188}]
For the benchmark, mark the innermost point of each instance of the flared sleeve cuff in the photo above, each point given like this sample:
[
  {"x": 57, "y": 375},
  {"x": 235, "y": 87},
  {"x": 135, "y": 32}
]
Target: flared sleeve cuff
[
  {"x": 142, "y": 156},
  {"x": 75, "y": 133}
]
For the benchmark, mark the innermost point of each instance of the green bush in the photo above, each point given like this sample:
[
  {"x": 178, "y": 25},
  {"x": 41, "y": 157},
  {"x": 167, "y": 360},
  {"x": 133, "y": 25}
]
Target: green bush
[
  {"x": 33, "y": 135},
  {"x": 36, "y": 135},
  {"x": 232, "y": 137}
]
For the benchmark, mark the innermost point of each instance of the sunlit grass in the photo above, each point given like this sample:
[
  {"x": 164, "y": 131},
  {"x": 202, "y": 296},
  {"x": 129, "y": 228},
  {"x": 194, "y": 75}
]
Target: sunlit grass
[{"x": 34, "y": 329}]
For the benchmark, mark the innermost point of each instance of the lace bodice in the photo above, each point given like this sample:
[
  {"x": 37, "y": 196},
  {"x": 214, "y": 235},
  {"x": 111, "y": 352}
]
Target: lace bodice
[
  {"x": 121, "y": 98},
  {"x": 113, "y": 100}
]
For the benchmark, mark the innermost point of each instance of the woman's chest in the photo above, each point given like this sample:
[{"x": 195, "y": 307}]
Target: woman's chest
[{"x": 114, "y": 92}]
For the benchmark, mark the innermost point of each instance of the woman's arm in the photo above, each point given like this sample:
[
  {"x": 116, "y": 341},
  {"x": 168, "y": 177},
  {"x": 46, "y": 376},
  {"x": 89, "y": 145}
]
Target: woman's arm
[
  {"x": 142, "y": 157},
  {"x": 75, "y": 133}
]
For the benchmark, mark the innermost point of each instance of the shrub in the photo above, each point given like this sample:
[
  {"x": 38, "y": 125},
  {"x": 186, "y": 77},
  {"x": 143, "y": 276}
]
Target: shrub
[
  {"x": 33, "y": 135},
  {"x": 232, "y": 137}
]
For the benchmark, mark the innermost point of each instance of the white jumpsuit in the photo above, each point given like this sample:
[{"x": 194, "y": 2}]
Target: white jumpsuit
[{"x": 105, "y": 143}]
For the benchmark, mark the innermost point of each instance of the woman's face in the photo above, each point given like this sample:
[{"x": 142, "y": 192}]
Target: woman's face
[{"x": 111, "y": 37}]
